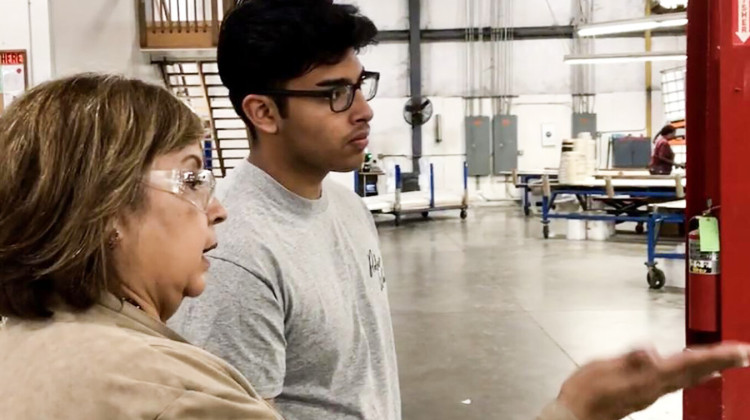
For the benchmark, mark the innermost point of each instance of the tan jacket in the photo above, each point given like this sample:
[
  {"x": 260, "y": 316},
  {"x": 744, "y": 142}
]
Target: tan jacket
[{"x": 115, "y": 362}]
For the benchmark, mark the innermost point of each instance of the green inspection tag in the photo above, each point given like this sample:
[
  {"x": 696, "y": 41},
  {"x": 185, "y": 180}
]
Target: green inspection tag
[{"x": 709, "y": 232}]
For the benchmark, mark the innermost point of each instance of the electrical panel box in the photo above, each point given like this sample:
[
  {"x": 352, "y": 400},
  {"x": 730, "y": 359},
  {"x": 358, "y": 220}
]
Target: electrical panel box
[
  {"x": 584, "y": 123},
  {"x": 505, "y": 143},
  {"x": 478, "y": 140},
  {"x": 631, "y": 152}
]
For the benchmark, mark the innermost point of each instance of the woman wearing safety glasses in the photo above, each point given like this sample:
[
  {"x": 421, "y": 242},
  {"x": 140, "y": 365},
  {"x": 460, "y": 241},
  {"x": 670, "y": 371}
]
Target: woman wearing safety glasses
[{"x": 105, "y": 215}]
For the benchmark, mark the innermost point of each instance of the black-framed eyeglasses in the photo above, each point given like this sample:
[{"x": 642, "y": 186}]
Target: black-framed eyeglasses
[{"x": 340, "y": 97}]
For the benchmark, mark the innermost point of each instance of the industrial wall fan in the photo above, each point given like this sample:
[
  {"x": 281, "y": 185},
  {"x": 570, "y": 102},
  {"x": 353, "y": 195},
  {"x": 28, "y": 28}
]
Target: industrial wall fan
[{"x": 417, "y": 111}]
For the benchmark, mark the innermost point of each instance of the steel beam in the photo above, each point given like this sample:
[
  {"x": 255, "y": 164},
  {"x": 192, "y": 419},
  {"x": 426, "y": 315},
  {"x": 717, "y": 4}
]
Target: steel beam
[
  {"x": 718, "y": 108},
  {"x": 415, "y": 75}
]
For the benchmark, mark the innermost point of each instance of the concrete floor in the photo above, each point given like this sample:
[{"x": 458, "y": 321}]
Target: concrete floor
[{"x": 486, "y": 310}]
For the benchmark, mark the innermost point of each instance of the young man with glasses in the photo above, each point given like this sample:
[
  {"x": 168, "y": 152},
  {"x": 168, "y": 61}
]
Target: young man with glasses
[{"x": 297, "y": 299}]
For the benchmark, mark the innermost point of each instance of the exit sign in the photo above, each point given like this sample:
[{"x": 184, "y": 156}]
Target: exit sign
[{"x": 9, "y": 58}]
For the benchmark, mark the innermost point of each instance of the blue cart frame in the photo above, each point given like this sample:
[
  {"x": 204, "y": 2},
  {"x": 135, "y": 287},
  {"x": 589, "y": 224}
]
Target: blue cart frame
[{"x": 425, "y": 211}]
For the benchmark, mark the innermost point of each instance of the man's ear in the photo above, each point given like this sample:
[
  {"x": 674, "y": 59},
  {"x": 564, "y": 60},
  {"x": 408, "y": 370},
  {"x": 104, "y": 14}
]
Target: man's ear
[{"x": 262, "y": 112}]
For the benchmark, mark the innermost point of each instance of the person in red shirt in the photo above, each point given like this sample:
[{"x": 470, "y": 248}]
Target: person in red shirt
[{"x": 662, "y": 158}]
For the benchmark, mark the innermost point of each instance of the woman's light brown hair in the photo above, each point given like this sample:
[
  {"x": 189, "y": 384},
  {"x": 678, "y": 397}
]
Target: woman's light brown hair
[{"x": 74, "y": 152}]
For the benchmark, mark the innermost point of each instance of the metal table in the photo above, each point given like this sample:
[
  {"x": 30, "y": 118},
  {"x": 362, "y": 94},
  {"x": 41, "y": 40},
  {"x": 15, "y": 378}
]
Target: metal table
[{"x": 641, "y": 200}]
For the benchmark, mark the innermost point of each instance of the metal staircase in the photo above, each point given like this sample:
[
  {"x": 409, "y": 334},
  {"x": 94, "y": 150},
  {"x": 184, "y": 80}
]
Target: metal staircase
[
  {"x": 181, "y": 37},
  {"x": 198, "y": 84}
]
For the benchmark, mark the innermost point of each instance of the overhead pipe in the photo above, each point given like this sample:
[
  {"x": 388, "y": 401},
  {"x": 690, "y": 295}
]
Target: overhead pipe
[
  {"x": 517, "y": 33},
  {"x": 472, "y": 56},
  {"x": 467, "y": 39},
  {"x": 478, "y": 58},
  {"x": 649, "y": 79},
  {"x": 493, "y": 55}
]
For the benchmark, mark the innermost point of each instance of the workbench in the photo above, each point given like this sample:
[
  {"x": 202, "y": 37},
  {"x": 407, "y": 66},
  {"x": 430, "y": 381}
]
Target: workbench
[
  {"x": 526, "y": 181},
  {"x": 639, "y": 200}
]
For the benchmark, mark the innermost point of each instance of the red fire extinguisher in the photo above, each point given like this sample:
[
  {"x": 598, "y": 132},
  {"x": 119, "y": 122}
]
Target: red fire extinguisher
[{"x": 703, "y": 286}]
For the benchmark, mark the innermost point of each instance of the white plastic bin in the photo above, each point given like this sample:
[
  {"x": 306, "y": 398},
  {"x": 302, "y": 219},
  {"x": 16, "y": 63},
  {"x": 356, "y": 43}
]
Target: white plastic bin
[
  {"x": 576, "y": 230},
  {"x": 600, "y": 230}
]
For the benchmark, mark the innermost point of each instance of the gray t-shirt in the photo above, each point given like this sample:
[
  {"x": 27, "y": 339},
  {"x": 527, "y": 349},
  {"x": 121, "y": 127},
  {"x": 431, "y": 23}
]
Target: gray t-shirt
[{"x": 296, "y": 299}]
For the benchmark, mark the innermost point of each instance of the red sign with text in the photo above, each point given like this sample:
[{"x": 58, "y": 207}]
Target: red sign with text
[
  {"x": 741, "y": 22},
  {"x": 9, "y": 58}
]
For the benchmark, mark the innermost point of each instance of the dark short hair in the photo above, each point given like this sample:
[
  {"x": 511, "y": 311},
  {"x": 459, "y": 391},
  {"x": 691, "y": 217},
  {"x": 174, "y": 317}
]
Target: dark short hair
[
  {"x": 667, "y": 130},
  {"x": 74, "y": 153},
  {"x": 263, "y": 44}
]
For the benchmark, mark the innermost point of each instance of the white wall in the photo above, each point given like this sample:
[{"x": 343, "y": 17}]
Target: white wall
[
  {"x": 14, "y": 25},
  {"x": 24, "y": 25},
  {"x": 441, "y": 14},
  {"x": 605, "y": 10},
  {"x": 70, "y": 36},
  {"x": 98, "y": 35}
]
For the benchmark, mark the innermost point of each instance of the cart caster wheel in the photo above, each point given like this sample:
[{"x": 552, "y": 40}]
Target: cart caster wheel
[
  {"x": 398, "y": 220},
  {"x": 464, "y": 214},
  {"x": 656, "y": 278},
  {"x": 425, "y": 214},
  {"x": 639, "y": 229},
  {"x": 545, "y": 231},
  {"x": 527, "y": 212}
]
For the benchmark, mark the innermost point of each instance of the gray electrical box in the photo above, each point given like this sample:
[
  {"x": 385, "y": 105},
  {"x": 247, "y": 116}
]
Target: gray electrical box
[
  {"x": 478, "y": 155},
  {"x": 631, "y": 152},
  {"x": 505, "y": 143},
  {"x": 584, "y": 123}
]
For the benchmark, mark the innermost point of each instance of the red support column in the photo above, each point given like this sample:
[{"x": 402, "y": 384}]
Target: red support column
[{"x": 718, "y": 132}]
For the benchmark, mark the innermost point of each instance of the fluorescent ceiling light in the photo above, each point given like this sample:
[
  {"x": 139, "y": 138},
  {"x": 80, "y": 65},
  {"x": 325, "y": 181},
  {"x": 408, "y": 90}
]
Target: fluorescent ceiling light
[
  {"x": 670, "y": 20},
  {"x": 625, "y": 58}
]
